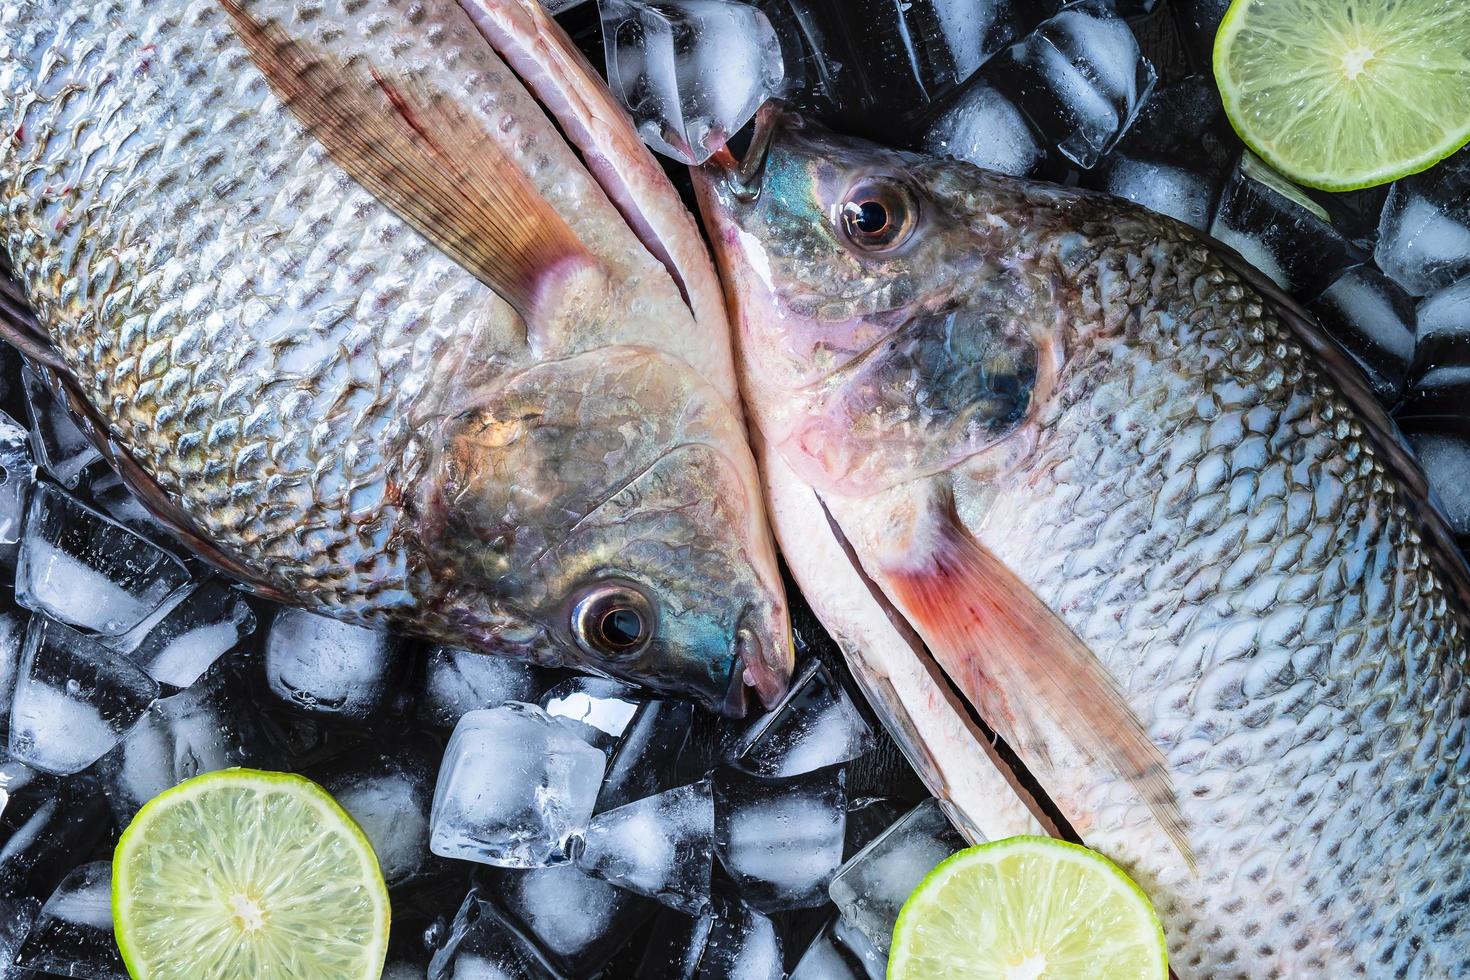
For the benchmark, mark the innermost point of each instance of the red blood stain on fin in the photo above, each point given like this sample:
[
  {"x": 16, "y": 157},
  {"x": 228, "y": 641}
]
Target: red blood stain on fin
[
  {"x": 1027, "y": 672},
  {"x": 426, "y": 160}
]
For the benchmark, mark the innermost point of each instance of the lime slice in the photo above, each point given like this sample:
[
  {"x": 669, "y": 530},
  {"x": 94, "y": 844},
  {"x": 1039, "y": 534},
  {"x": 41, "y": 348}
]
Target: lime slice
[
  {"x": 1340, "y": 95},
  {"x": 1027, "y": 908},
  {"x": 247, "y": 875}
]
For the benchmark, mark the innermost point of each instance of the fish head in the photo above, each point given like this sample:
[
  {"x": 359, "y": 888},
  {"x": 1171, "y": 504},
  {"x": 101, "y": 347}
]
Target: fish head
[
  {"x": 883, "y": 332},
  {"x": 568, "y": 522}
]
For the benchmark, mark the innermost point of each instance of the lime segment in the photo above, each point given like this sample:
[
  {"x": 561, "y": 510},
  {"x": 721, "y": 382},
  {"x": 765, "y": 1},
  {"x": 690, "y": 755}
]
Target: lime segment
[
  {"x": 1340, "y": 95},
  {"x": 1028, "y": 908},
  {"x": 245, "y": 875}
]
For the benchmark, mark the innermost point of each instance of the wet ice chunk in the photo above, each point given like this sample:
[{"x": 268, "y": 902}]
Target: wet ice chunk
[
  {"x": 60, "y": 447},
  {"x": 74, "y": 699},
  {"x": 87, "y": 570},
  {"x": 389, "y": 794},
  {"x": 12, "y": 645},
  {"x": 729, "y": 941},
  {"x": 816, "y": 725},
  {"x": 662, "y": 846},
  {"x": 831, "y": 956},
  {"x": 1424, "y": 231},
  {"x": 691, "y": 72},
  {"x": 1373, "y": 319},
  {"x": 516, "y": 789},
  {"x": 16, "y": 477},
  {"x": 597, "y": 708},
  {"x": 328, "y": 667},
  {"x": 1166, "y": 188},
  {"x": 781, "y": 841},
  {"x": 181, "y": 646},
  {"x": 984, "y": 127},
  {"x": 872, "y": 887},
  {"x": 478, "y": 946},
  {"x": 105, "y": 490},
  {"x": 1445, "y": 457},
  {"x": 459, "y": 681},
  {"x": 646, "y": 760},
  {"x": 575, "y": 921},
  {"x": 1080, "y": 77},
  {"x": 73, "y": 935},
  {"x": 1443, "y": 327}
]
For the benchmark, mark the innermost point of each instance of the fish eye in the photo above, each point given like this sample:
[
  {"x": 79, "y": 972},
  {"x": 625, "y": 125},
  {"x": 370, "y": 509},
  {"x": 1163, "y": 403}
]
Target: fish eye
[
  {"x": 879, "y": 214},
  {"x": 612, "y": 619}
]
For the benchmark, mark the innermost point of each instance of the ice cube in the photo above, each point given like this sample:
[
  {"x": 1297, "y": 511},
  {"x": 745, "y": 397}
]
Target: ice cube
[
  {"x": 477, "y": 946},
  {"x": 329, "y": 667},
  {"x": 74, "y": 699},
  {"x": 61, "y": 449},
  {"x": 104, "y": 489},
  {"x": 210, "y": 726},
  {"x": 1444, "y": 455},
  {"x": 1424, "y": 232},
  {"x": 1438, "y": 394},
  {"x": 1443, "y": 328},
  {"x": 816, "y": 725},
  {"x": 389, "y": 794},
  {"x": 781, "y": 841},
  {"x": 177, "y": 650},
  {"x": 17, "y": 473},
  {"x": 72, "y": 937},
  {"x": 85, "y": 569},
  {"x": 1181, "y": 193},
  {"x": 459, "y": 681},
  {"x": 598, "y": 709},
  {"x": 691, "y": 72},
  {"x": 12, "y": 644},
  {"x": 646, "y": 759},
  {"x": 829, "y": 957},
  {"x": 516, "y": 789},
  {"x": 1280, "y": 230},
  {"x": 729, "y": 941},
  {"x": 1373, "y": 319},
  {"x": 872, "y": 887},
  {"x": 982, "y": 126},
  {"x": 662, "y": 847},
  {"x": 575, "y": 921},
  {"x": 1198, "y": 22},
  {"x": 1079, "y": 77}
]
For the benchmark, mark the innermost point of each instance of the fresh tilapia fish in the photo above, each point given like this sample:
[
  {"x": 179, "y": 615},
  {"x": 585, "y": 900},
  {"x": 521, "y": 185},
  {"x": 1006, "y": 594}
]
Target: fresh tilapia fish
[
  {"x": 1113, "y": 489},
  {"x": 350, "y": 310}
]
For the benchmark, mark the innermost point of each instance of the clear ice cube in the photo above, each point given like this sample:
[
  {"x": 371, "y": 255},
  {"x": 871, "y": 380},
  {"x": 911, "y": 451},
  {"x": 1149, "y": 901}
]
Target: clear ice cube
[
  {"x": 831, "y": 957},
  {"x": 729, "y": 941},
  {"x": 85, "y": 569},
  {"x": 1444, "y": 455},
  {"x": 72, "y": 936},
  {"x": 1373, "y": 319},
  {"x": 662, "y": 847},
  {"x": 194, "y": 634},
  {"x": 1424, "y": 231},
  {"x": 984, "y": 127},
  {"x": 1443, "y": 328},
  {"x": 872, "y": 887},
  {"x": 477, "y": 946},
  {"x": 816, "y": 725},
  {"x": 646, "y": 760},
  {"x": 516, "y": 789},
  {"x": 329, "y": 667},
  {"x": 598, "y": 709},
  {"x": 61, "y": 449},
  {"x": 1180, "y": 192},
  {"x": 781, "y": 841},
  {"x": 460, "y": 681},
  {"x": 389, "y": 794},
  {"x": 575, "y": 922},
  {"x": 17, "y": 473},
  {"x": 74, "y": 699},
  {"x": 12, "y": 645},
  {"x": 1079, "y": 76},
  {"x": 105, "y": 490},
  {"x": 691, "y": 72}
]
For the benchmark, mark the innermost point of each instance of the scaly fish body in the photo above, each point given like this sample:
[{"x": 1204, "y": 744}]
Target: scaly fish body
[
  {"x": 344, "y": 411},
  {"x": 1095, "y": 400}
]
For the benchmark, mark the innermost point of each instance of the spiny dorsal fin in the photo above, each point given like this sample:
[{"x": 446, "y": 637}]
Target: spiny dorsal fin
[
  {"x": 425, "y": 159},
  {"x": 1026, "y": 671}
]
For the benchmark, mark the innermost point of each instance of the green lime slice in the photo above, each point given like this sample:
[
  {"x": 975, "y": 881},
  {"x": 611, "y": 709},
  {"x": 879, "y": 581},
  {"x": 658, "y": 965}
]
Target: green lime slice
[
  {"x": 1342, "y": 94},
  {"x": 246, "y": 875},
  {"x": 1027, "y": 908}
]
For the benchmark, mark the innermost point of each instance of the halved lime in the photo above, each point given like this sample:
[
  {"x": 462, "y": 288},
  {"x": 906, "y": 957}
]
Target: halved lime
[
  {"x": 248, "y": 875},
  {"x": 1028, "y": 908},
  {"x": 1342, "y": 94}
]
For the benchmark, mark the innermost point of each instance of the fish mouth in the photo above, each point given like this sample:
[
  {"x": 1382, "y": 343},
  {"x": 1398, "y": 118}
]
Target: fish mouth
[
  {"x": 758, "y": 667},
  {"x": 743, "y": 176}
]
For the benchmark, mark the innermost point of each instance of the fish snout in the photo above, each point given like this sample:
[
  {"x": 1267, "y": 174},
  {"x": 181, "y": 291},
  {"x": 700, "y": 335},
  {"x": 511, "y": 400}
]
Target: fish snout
[{"x": 765, "y": 659}]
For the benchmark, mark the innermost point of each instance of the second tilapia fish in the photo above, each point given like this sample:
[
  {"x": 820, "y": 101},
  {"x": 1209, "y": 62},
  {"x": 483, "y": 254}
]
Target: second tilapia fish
[
  {"x": 1145, "y": 520},
  {"x": 349, "y": 310}
]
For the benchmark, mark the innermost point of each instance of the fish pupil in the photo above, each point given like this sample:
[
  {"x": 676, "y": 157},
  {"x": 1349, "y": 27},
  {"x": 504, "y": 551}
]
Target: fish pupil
[
  {"x": 870, "y": 217},
  {"x": 621, "y": 627}
]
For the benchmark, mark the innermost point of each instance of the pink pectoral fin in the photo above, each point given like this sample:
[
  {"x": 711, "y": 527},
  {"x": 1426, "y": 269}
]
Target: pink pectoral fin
[{"x": 1027, "y": 672}]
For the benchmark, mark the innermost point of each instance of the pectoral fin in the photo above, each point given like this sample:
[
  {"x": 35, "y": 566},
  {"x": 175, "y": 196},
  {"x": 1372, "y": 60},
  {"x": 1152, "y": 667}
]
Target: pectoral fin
[
  {"x": 1026, "y": 671},
  {"x": 426, "y": 160}
]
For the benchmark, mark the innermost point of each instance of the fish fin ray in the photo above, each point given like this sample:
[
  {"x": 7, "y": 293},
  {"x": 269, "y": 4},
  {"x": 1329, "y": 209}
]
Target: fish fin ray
[
  {"x": 424, "y": 159},
  {"x": 1025, "y": 670}
]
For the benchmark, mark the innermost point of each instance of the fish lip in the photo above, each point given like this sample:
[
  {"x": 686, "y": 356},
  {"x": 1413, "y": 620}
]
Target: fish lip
[
  {"x": 765, "y": 671},
  {"x": 743, "y": 177}
]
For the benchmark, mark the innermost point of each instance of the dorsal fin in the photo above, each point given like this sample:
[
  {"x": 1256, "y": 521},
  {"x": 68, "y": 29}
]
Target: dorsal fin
[{"x": 427, "y": 161}]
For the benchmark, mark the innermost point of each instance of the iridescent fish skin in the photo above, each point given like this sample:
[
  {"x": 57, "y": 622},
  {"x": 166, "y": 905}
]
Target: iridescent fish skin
[
  {"x": 334, "y": 408},
  {"x": 1172, "y": 461}
]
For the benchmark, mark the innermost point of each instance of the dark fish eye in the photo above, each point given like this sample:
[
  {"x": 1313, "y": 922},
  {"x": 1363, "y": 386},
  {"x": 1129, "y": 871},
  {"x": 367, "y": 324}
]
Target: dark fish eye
[
  {"x": 879, "y": 214},
  {"x": 612, "y": 619}
]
